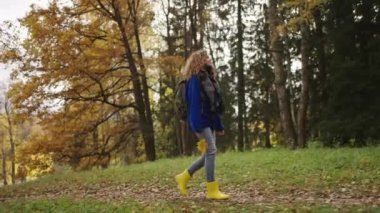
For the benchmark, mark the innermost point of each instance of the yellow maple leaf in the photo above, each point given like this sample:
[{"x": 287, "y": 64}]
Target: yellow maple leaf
[{"x": 202, "y": 146}]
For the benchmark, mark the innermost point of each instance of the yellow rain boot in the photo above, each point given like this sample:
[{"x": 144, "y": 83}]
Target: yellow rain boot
[
  {"x": 214, "y": 193},
  {"x": 182, "y": 180}
]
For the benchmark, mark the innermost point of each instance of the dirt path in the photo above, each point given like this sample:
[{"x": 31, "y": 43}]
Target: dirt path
[{"x": 240, "y": 195}]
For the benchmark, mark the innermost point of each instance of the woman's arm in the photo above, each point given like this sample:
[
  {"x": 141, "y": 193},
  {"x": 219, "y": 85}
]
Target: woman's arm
[
  {"x": 218, "y": 125},
  {"x": 193, "y": 94}
]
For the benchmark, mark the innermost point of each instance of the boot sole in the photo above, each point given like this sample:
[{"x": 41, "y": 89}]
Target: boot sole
[{"x": 210, "y": 198}]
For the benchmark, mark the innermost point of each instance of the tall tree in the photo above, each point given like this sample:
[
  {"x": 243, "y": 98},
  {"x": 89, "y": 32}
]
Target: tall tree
[
  {"x": 145, "y": 120},
  {"x": 306, "y": 78},
  {"x": 241, "y": 83},
  {"x": 318, "y": 92},
  {"x": 350, "y": 115},
  {"x": 277, "y": 49},
  {"x": 81, "y": 67},
  {"x": 3, "y": 158},
  {"x": 178, "y": 42},
  {"x": 263, "y": 112},
  {"x": 10, "y": 129}
]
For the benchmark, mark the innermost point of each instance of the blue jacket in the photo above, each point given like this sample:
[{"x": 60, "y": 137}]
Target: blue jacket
[{"x": 199, "y": 118}]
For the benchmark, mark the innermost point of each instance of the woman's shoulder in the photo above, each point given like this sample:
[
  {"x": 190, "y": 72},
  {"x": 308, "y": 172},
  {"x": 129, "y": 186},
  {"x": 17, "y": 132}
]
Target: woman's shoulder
[
  {"x": 198, "y": 76},
  {"x": 194, "y": 77}
]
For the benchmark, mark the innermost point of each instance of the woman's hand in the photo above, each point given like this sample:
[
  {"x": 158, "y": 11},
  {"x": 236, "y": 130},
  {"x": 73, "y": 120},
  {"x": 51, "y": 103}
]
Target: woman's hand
[
  {"x": 220, "y": 133},
  {"x": 199, "y": 135}
]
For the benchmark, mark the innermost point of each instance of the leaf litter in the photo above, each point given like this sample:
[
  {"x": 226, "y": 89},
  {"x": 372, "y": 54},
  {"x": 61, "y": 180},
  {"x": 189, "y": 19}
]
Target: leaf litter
[{"x": 253, "y": 194}]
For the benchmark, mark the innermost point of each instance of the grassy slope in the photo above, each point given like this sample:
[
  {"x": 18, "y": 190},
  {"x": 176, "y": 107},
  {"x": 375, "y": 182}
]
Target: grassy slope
[{"x": 271, "y": 174}]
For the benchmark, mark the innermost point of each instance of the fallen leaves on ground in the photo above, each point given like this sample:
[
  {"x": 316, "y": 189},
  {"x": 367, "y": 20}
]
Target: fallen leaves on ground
[{"x": 341, "y": 195}]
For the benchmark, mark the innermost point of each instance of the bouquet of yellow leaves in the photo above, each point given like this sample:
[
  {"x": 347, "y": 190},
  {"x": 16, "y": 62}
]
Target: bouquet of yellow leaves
[{"x": 202, "y": 146}]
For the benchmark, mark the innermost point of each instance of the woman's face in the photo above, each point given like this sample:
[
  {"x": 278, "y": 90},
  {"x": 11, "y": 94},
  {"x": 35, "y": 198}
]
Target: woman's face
[
  {"x": 210, "y": 67},
  {"x": 208, "y": 59}
]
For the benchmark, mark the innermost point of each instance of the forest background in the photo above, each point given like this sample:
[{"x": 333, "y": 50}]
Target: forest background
[{"x": 93, "y": 81}]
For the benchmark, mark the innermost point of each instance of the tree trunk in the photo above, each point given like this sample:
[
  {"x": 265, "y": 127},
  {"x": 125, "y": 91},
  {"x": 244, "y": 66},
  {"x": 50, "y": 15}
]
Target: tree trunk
[
  {"x": 148, "y": 113},
  {"x": 267, "y": 133},
  {"x": 176, "y": 124},
  {"x": 185, "y": 32},
  {"x": 4, "y": 159},
  {"x": 291, "y": 91},
  {"x": 247, "y": 142},
  {"x": 266, "y": 111},
  {"x": 208, "y": 38},
  {"x": 189, "y": 32},
  {"x": 145, "y": 125},
  {"x": 290, "y": 84},
  {"x": 194, "y": 27},
  {"x": 186, "y": 138},
  {"x": 191, "y": 26},
  {"x": 178, "y": 132},
  {"x": 169, "y": 42},
  {"x": 319, "y": 95},
  {"x": 11, "y": 141},
  {"x": 202, "y": 24},
  {"x": 267, "y": 119},
  {"x": 280, "y": 75},
  {"x": 241, "y": 84},
  {"x": 306, "y": 74}
]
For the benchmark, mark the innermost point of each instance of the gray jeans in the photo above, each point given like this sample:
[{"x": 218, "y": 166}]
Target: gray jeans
[{"x": 208, "y": 159}]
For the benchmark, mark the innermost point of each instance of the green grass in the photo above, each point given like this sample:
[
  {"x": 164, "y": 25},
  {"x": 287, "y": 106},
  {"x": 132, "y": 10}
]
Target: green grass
[
  {"x": 303, "y": 168},
  {"x": 320, "y": 167},
  {"x": 276, "y": 170}
]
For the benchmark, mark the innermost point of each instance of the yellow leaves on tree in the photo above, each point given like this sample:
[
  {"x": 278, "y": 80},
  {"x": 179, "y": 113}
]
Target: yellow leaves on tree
[
  {"x": 171, "y": 65},
  {"x": 31, "y": 159},
  {"x": 300, "y": 10},
  {"x": 74, "y": 77}
]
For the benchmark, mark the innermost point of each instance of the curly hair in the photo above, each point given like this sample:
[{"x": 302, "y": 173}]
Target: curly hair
[{"x": 195, "y": 63}]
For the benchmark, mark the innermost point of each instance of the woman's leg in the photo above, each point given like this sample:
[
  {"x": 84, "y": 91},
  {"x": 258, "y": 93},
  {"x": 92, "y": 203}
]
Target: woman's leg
[
  {"x": 196, "y": 165},
  {"x": 185, "y": 176},
  {"x": 210, "y": 154},
  {"x": 208, "y": 158},
  {"x": 213, "y": 191}
]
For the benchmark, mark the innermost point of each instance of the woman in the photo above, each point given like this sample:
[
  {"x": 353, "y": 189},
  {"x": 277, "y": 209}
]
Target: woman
[{"x": 202, "y": 119}]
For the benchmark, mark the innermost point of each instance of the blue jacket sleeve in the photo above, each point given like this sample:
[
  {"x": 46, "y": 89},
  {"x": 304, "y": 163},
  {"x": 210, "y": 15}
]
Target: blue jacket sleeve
[
  {"x": 218, "y": 123},
  {"x": 193, "y": 96}
]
